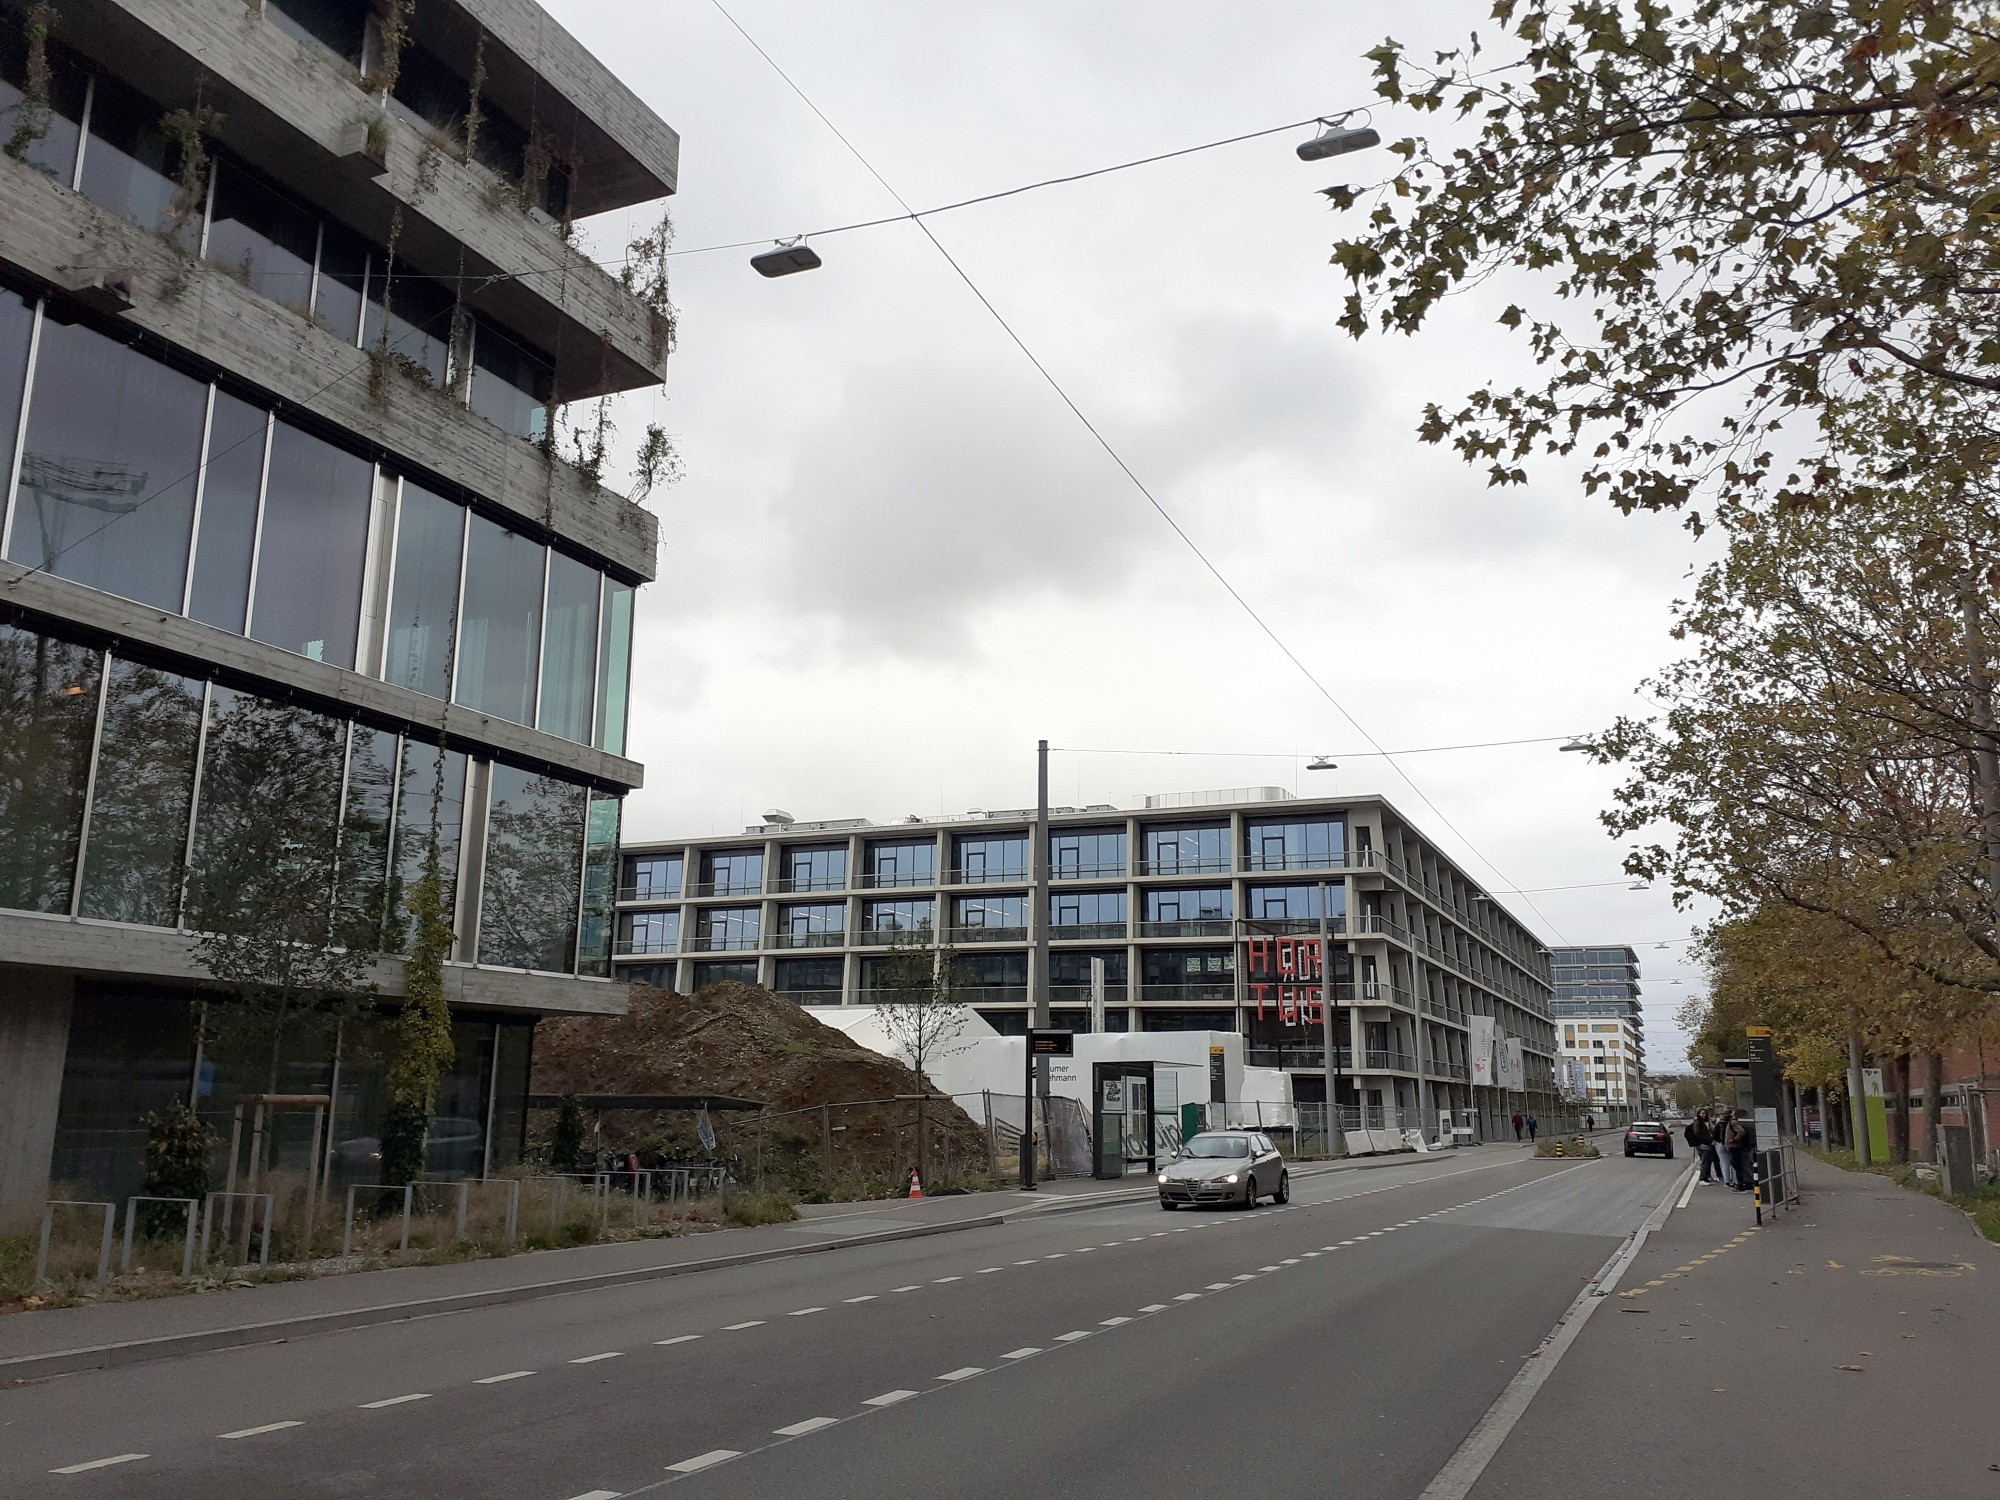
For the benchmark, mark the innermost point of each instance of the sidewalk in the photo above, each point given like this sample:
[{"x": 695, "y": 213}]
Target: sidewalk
[
  {"x": 1851, "y": 1346},
  {"x": 60, "y": 1340}
]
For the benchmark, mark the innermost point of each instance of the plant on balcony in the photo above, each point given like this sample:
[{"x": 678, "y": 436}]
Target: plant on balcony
[
  {"x": 190, "y": 131},
  {"x": 392, "y": 35},
  {"x": 645, "y": 277},
  {"x": 31, "y": 114}
]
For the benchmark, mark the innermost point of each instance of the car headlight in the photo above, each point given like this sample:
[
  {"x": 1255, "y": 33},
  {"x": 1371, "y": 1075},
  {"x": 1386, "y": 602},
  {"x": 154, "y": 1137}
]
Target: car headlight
[
  {"x": 1231, "y": 1178},
  {"x": 1163, "y": 1179}
]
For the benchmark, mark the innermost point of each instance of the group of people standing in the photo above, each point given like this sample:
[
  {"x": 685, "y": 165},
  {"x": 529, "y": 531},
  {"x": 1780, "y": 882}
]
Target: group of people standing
[{"x": 1724, "y": 1143}]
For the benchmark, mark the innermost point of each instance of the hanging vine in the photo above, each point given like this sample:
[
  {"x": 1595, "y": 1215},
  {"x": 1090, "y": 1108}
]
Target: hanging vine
[
  {"x": 421, "y": 1041},
  {"x": 190, "y": 131},
  {"x": 658, "y": 463},
  {"x": 475, "y": 112},
  {"x": 31, "y": 114},
  {"x": 392, "y": 34},
  {"x": 645, "y": 277}
]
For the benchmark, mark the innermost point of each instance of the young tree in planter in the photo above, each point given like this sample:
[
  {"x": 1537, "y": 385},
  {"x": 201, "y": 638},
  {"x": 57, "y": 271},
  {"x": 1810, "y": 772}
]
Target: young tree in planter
[
  {"x": 921, "y": 1016},
  {"x": 422, "y": 1047}
]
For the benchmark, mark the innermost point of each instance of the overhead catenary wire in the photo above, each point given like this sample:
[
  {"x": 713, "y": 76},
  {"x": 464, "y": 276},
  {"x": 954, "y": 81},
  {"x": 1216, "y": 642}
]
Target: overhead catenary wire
[{"x": 1110, "y": 451}]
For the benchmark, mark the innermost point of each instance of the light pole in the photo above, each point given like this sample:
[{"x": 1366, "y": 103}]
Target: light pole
[
  {"x": 1336, "y": 1133},
  {"x": 1036, "y": 1077}
]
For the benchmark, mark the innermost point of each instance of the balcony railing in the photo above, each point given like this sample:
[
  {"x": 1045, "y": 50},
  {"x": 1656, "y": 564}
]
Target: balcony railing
[
  {"x": 1295, "y": 1055},
  {"x": 1375, "y": 924},
  {"x": 725, "y": 942},
  {"x": 1293, "y": 926},
  {"x": 894, "y": 937},
  {"x": 1079, "y": 994},
  {"x": 988, "y": 875},
  {"x": 809, "y": 997},
  {"x": 1082, "y": 931},
  {"x": 1335, "y": 861},
  {"x": 834, "y": 939},
  {"x": 1220, "y": 865},
  {"x": 1191, "y": 994},
  {"x": 649, "y": 893},
  {"x": 791, "y": 884},
  {"x": 1196, "y": 927},
  {"x": 1087, "y": 872},
  {"x": 961, "y": 935},
  {"x": 645, "y": 947},
  {"x": 728, "y": 886},
  {"x": 1381, "y": 1060}
]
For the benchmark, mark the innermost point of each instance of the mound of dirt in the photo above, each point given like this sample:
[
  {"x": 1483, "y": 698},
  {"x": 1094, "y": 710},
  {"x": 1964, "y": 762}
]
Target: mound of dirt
[{"x": 744, "y": 1042}]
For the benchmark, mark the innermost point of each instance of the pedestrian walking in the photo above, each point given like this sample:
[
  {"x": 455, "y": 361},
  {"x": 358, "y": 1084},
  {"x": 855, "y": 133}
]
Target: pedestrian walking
[
  {"x": 1533, "y": 1126},
  {"x": 1700, "y": 1136},
  {"x": 1518, "y": 1122},
  {"x": 1589, "y": 1123},
  {"x": 1739, "y": 1144}
]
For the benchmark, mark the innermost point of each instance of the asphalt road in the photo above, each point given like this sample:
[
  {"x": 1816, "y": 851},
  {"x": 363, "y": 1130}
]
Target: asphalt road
[{"x": 1345, "y": 1344}]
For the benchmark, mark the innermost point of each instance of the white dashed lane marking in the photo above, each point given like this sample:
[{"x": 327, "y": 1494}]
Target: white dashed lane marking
[
  {"x": 394, "y": 1401},
  {"x": 679, "y": 1338},
  {"x": 805, "y": 1312},
  {"x": 1073, "y": 1335},
  {"x": 591, "y": 1359},
  {"x": 964, "y": 1372},
  {"x": 1019, "y": 1353},
  {"x": 888, "y": 1398},
  {"x": 702, "y": 1460},
  {"x": 869, "y": 1298},
  {"x": 495, "y": 1379},
  {"x": 810, "y": 1424},
  {"x": 100, "y": 1463},
  {"x": 734, "y": 1327},
  {"x": 248, "y": 1432}
]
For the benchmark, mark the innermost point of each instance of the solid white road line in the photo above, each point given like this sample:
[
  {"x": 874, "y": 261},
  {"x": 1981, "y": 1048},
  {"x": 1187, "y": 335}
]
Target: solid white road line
[
  {"x": 591, "y": 1359},
  {"x": 499, "y": 1379},
  {"x": 679, "y": 1338},
  {"x": 1688, "y": 1191},
  {"x": 101, "y": 1463},
  {"x": 810, "y": 1424},
  {"x": 394, "y": 1401},
  {"x": 734, "y": 1327},
  {"x": 259, "y": 1431},
  {"x": 1462, "y": 1471},
  {"x": 1019, "y": 1353},
  {"x": 888, "y": 1398},
  {"x": 702, "y": 1460},
  {"x": 964, "y": 1372}
]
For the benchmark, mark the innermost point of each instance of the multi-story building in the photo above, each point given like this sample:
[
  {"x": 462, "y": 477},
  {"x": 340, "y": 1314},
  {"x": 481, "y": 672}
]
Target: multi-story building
[
  {"x": 1603, "y": 1027},
  {"x": 1200, "y": 911},
  {"x": 293, "y": 587}
]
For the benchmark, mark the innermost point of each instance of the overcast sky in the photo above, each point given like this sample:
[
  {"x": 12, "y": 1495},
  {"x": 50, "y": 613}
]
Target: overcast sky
[{"x": 897, "y": 560}]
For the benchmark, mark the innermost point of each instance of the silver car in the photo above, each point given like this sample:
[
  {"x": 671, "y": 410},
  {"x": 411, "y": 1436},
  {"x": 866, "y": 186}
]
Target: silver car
[{"x": 1226, "y": 1166}]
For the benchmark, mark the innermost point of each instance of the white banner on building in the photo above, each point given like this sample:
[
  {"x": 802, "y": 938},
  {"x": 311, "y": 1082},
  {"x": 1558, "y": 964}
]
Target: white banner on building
[
  {"x": 1479, "y": 1050},
  {"x": 1513, "y": 1066}
]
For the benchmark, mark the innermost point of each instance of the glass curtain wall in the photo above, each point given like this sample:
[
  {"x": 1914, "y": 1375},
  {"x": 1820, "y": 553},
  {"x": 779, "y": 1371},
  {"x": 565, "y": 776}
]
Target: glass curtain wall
[
  {"x": 232, "y": 489},
  {"x": 136, "y": 845},
  {"x": 423, "y": 593},
  {"x": 48, "y": 701},
  {"x": 600, "y": 869},
  {"x": 312, "y": 548},
  {"x": 430, "y": 804},
  {"x": 501, "y": 629},
  {"x": 367, "y": 833},
  {"x": 569, "y": 653},
  {"x": 614, "y": 666},
  {"x": 534, "y": 871}
]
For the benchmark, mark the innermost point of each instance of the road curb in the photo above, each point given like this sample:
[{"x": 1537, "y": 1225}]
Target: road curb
[{"x": 178, "y": 1345}]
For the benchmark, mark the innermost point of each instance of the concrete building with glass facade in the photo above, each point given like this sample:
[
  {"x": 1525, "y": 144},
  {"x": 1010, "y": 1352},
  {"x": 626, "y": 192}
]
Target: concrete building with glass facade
[
  {"x": 1202, "y": 908},
  {"x": 290, "y": 588},
  {"x": 1603, "y": 1027}
]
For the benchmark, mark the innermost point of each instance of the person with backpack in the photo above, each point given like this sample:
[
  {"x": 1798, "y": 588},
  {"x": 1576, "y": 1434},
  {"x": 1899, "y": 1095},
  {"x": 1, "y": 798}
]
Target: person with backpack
[
  {"x": 1739, "y": 1143},
  {"x": 1700, "y": 1136}
]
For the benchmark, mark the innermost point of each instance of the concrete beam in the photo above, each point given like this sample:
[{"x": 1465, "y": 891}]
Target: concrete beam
[
  {"x": 113, "y": 950},
  {"x": 335, "y": 688},
  {"x": 294, "y": 111},
  {"x": 61, "y": 240},
  {"x": 34, "y": 1040}
]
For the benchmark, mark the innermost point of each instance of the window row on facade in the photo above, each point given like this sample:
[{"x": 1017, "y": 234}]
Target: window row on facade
[
  {"x": 143, "y": 481},
  {"x": 1201, "y": 911},
  {"x": 994, "y": 859},
  {"x": 134, "y": 792},
  {"x": 106, "y": 141}
]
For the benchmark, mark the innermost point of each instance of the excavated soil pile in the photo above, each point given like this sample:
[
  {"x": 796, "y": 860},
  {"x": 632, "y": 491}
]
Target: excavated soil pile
[{"x": 744, "y": 1042}]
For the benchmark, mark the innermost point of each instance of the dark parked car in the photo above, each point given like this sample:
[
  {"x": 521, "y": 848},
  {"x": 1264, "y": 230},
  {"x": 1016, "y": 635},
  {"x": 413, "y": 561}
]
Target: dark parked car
[
  {"x": 1649, "y": 1135},
  {"x": 1226, "y": 1166}
]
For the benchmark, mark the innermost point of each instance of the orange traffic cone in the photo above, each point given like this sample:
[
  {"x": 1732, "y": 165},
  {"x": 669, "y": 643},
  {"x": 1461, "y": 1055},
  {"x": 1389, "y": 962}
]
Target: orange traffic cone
[{"x": 916, "y": 1184}]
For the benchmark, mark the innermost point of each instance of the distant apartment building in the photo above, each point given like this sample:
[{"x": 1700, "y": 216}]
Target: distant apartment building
[
  {"x": 1201, "y": 911},
  {"x": 1597, "y": 1009},
  {"x": 292, "y": 589}
]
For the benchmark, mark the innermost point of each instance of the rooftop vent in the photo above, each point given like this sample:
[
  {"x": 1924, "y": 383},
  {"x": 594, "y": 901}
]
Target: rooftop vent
[{"x": 777, "y": 817}]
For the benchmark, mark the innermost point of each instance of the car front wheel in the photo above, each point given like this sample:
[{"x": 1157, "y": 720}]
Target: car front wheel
[{"x": 1250, "y": 1193}]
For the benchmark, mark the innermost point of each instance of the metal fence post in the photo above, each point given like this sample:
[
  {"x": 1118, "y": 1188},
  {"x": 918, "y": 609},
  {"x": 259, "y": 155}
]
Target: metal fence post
[
  {"x": 409, "y": 1196},
  {"x": 346, "y": 1235},
  {"x": 42, "y": 1259}
]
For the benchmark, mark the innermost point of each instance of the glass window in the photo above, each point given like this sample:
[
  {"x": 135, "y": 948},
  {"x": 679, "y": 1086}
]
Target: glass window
[
  {"x": 1296, "y": 844},
  {"x": 266, "y": 845},
  {"x": 600, "y": 861},
  {"x": 1207, "y": 904},
  {"x": 649, "y": 932},
  {"x": 984, "y": 977},
  {"x": 1087, "y": 908},
  {"x": 659, "y": 976},
  {"x": 129, "y": 165},
  {"x": 614, "y": 666},
  {"x": 140, "y": 799},
  {"x": 343, "y": 278},
  {"x": 534, "y": 855},
  {"x": 1069, "y": 973},
  {"x": 423, "y": 594},
  {"x": 430, "y": 795},
  {"x": 108, "y": 469},
  {"x": 263, "y": 238},
  {"x": 569, "y": 657},
  {"x": 314, "y": 542},
  {"x": 1277, "y": 903},
  {"x": 511, "y": 387},
  {"x": 978, "y": 859},
  {"x": 1187, "y": 851},
  {"x": 417, "y": 332},
  {"x": 365, "y": 837},
  {"x": 651, "y": 877},
  {"x": 338, "y": 25},
  {"x": 47, "y": 144},
  {"x": 815, "y": 981},
  {"x": 48, "y": 701},
  {"x": 731, "y": 872},
  {"x": 1087, "y": 855},
  {"x": 735, "y": 971},
  {"x": 1009, "y": 912},
  {"x": 821, "y": 919},
  {"x": 1188, "y": 974},
  {"x": 726, "y": 928},
  {"x": 17, "y": 324},
  {"x": 821, "y": 869},
  {"x": 226, "y": 533},
  {"x": 897, "y": 916},
  {"x": 501, "y": 631},
  {"x": 903, "y": 863}
]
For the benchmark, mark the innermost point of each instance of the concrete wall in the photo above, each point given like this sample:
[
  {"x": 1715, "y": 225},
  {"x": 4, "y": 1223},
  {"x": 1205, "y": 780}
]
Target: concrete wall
[{"x": 34, "y": 1038}]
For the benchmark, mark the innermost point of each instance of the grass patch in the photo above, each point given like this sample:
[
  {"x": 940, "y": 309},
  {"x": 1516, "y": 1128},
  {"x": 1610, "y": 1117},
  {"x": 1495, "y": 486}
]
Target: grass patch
[{"x": 750, "y": 1209}]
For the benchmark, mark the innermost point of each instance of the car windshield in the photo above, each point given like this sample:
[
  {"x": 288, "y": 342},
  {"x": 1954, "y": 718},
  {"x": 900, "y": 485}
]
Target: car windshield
[{"x": 1218, "y": 1145}]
